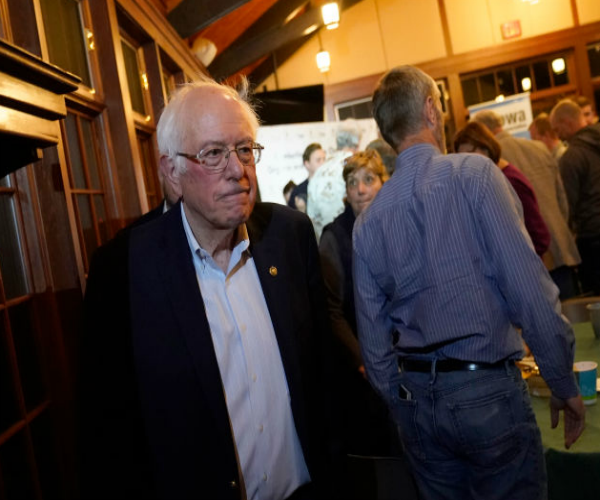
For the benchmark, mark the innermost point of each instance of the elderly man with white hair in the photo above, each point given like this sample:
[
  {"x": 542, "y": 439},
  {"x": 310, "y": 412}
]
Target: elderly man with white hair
[{"x": 202, "y": 364}]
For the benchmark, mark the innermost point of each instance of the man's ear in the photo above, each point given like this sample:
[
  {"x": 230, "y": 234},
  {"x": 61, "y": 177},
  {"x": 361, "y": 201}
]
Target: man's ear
[
  {"x": 170, "y": 174},
  {"x": 430, "y": 111}
]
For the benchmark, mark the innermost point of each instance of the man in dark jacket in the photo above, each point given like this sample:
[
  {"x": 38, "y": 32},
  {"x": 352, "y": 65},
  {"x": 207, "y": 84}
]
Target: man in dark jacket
[
  {"x": 202, "y": 353},
  {"x": 580, "y": 171}
]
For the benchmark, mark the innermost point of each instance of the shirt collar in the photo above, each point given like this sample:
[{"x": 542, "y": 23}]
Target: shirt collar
[{"x": 242, "y": 242}]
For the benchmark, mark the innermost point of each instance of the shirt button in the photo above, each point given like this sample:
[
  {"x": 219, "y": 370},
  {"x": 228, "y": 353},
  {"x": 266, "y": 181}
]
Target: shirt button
[
  {"x": 233, "y": 485},
  {"x": 254, "y": 377},
  {"x": 243, "y": 328},
  {"x": 260, "y": 428},
  {"x": 265, "y": 478}
]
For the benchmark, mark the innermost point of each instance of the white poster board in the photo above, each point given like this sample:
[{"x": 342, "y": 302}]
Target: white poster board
[
  {"x": 281, "y": 159},
  {"x": 515, "y": 111}
]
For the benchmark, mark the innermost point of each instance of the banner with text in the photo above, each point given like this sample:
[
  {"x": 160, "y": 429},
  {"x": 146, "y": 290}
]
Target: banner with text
[{"x": 515, "y": 111}]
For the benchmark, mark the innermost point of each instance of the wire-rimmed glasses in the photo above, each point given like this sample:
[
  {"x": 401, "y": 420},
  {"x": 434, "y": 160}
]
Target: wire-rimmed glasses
[{"x": 216, "y": 158}]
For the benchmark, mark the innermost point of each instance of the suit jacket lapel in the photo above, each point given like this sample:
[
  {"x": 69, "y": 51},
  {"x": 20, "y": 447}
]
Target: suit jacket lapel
[{"x": 183, "y": 292}]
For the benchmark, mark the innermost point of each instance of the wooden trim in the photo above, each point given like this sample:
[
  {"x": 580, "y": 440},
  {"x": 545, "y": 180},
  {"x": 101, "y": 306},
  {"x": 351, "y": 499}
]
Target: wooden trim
[
  {"x": 445, "y": 27},
  {"x": 156, "y": 25},
  {"x": 503, "y": 54},
  {"x": 575, "y": 12}
]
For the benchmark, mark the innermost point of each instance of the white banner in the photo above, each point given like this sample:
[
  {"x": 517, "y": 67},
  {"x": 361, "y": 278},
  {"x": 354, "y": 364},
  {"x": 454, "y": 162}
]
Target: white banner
[
  {"x": 515, "y": 111},
  {"x": 284, "y": 144}
]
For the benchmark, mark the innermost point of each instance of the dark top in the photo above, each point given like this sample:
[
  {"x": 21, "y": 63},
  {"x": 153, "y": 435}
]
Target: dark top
[
  {"x": 154, "y": 422},
  {"x": 300, "y": 190},
  {"x": 535, "y": 225},
  {"x": 580, "y": 171},
  {"x": 336, "y": 257}
]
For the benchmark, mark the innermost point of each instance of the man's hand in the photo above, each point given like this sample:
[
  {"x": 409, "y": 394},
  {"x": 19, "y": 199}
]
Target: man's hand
[{"x": 574, "y": 413}]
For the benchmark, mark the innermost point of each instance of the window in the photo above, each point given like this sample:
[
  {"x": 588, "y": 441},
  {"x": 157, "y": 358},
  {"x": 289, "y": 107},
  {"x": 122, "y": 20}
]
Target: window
[
  {"x": 28, "y": 451},
  {"x": 529, "y": 76},
  {"x": 594, "y": 59},
  {"x": 66, "y": 36},
  {"x": 135, "y": 77},
  {"x": 359, "y": 108},
  {"x": 84, "y": 159}
]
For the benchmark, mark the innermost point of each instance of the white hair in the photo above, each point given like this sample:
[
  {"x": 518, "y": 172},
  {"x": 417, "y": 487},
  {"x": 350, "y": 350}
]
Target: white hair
[{"x": 172, "y": 130}]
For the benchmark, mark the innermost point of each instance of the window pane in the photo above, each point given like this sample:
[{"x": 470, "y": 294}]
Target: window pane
[
  {"x": 594, "y": 58},
  {"x": 87, "y": 225},
  {"x": 75, "y": 160},
  {"x": 133, "y": 78},
  {"x": 470, "y": 92},
  {"x": 542, "y": 75},
  {"x": 521, "y": 73},
  {"x": 64, "y": 35},
  {"x": 90, "y": 152},
  {"x": 505, "y": 82},
  {"x": 488, "y": 87},
  {"x": 28, "y": 354},
  {"x": 12, "y": 265},
  {"x": 8, "y": 400},
  {"x": 16, "y": 470},
  {"x": 562, "y": 78}
]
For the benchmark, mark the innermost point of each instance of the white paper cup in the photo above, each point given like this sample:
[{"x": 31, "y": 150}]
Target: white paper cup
[{"x": 586, "y": 373}]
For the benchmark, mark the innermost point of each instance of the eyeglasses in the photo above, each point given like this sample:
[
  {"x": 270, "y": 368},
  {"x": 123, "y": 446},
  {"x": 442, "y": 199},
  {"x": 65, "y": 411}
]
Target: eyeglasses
[{"x": 215, "y": 158}]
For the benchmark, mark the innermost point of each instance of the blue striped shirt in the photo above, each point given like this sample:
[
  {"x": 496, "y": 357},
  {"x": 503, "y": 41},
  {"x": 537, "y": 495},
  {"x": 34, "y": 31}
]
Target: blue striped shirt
[{"x": 442, "y": 258}]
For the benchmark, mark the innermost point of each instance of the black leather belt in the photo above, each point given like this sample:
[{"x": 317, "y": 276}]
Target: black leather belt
[{"x": 446, "y": 365}]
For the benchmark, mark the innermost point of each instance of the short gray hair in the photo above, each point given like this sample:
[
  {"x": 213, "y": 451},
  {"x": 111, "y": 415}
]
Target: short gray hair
[
  {"x": 347, "y": 137},
  {"x": 398, "y": 103},
  {"x": 490, "y": 119},
  {"x": 172, "y": 129}
]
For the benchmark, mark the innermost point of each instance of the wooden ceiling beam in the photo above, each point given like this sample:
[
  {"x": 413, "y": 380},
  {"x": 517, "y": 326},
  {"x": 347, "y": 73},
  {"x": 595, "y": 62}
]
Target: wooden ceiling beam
[{"x": 191, "y": 16}]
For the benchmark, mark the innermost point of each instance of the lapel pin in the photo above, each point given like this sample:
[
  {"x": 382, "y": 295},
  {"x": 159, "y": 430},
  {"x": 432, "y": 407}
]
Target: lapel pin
[{"x": 273, "y": 271}]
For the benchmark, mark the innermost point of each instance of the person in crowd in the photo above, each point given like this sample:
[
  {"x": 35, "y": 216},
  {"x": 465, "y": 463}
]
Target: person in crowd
[
  {"x": 202, "y": 359},
  {"x": 366, "y": 417},
  {"x": 387, "y": 153},
  {"x": 327, "y": 190},
  {"x": 541, "y": 129},
  {"x": 475, "y": 138},
  {"x": 287, "y": 191},
  {"x": 535, "y": 161},
  {"x": 444, "y": 272},
  {"x": 580, "y": 170},
  {"x": 313, "y": 157},
  {"x": 587, "y": 109}
]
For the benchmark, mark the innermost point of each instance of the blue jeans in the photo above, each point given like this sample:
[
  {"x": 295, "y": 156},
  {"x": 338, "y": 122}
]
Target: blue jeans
[{"x": 471, "y": 435}]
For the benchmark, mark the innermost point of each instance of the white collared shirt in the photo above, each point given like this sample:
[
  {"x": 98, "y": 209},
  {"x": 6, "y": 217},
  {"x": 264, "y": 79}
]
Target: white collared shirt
[{"x": 254, "y": 381}]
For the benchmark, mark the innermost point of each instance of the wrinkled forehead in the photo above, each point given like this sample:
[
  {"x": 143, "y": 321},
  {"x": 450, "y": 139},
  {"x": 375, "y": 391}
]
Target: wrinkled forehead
[{"x": 213, "y": 114}]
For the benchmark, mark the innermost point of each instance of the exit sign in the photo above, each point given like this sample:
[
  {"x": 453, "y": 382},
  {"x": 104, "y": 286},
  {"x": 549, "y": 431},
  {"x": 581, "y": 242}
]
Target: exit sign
[{"x": 511, "y": 29}]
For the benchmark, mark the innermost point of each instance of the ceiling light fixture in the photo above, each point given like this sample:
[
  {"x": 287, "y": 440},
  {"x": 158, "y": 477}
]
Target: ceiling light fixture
[
  {"x": 331, "y": 15},
  {"x": 323, "y": 61},
  {"x": 526, "y": 83}
]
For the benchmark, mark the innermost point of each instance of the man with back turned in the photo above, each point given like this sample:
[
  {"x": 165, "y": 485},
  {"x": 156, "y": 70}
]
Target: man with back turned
[{"x": 444, "y": 274}]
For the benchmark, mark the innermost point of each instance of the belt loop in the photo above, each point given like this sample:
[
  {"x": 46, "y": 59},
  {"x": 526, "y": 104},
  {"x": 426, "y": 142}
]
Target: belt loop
[
  {"x": 507, "y": 365},
  {"x": 433, "y": 371}
]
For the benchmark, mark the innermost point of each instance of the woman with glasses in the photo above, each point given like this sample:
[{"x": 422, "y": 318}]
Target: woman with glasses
[
  {"x": 367, "y": 431},
  {"x": 476, "y": 138}
]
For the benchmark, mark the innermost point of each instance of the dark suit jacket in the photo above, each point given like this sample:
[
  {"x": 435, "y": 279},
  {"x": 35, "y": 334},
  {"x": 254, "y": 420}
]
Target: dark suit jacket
[{"x": 154, "y": 418}]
